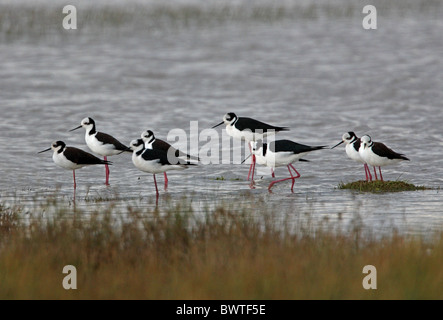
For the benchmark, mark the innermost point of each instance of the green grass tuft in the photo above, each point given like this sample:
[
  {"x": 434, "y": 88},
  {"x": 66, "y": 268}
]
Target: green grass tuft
[
  {"x": 221, "y": 178},
  {"x": 381, "y": 186}
]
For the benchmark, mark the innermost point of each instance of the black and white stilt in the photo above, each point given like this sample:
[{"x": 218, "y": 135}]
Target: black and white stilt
[
  {"x": 352, "y": 150},
  {"x": 71, "y": 158},
  {"x": 151, "y": 142},
  {"x": 154, "y": 161},
  {"x": 280, "y": 153},
  {"x": 101, "y": 143},
  {"x": 250, "y": 130},
  {"x": 378, "y": 155}
]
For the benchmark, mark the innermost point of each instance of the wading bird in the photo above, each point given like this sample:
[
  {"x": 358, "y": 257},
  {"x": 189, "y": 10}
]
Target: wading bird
[
  {"x": 153, "y": 161},
  {"x": 101, "y": 143},
  {"x": 250, "y": 130},
  {"x": 378, "y": 155},
  {"x": 352, "y": 146},
  {"x": 156, "y": 144},
  {"x": 71, "y": 158},
  {"x": 282, "y": 153}
]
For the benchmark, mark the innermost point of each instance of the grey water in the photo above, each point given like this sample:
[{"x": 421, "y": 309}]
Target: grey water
[{"x": 307, "y": 65}]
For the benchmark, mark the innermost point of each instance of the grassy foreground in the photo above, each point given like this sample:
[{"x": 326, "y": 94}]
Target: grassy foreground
[{"x": 172, "y": 253}]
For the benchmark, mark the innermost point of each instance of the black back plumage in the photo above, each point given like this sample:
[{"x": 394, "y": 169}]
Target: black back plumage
[
  {"x": 82, "y": 157},
  {"x": 253, "y": 125},
  {"x": 166, "y": 147},
  {"x": 108, "y": 139},
  {"x": 162, "y": 145},
  {"x": 383, "y": 151},
  {"x": 291, "y": 146},
  {"x": 162, "y": 157}
]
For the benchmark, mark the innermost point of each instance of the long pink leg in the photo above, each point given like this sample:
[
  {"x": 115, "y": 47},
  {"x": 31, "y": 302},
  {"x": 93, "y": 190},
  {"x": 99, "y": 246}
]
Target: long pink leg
[
  {"x": 277, "y": 181},
  {"x": 73, "y": 173},
  {"x": 381, "y": 177},
  {"x": 155, "y": 182},
  {"x": 253, "y": 172},
  {"x": 253, "y": 167},
  {"x": 107, "y": 172},
  {"x": 166, "y": 179},
  {"x": 375, "y": 172},
  {"x": 291, "y": 178},
  {"x": 368, "y": 171},
  {"x": 272, "y": 173},
  {"x": 250, "y": 167},
  {"x": 249, "y": 173}
]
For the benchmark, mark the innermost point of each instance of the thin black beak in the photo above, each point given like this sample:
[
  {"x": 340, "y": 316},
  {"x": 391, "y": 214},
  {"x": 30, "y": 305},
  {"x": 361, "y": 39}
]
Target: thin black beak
[
  {"x": 44, "y": 150},
  {"x": 75, "y": 128},
  {"x": 217, "y": 125},
  {"x": 337, "y": 144},
  {"x": 245, "y": 159},
  {"x": 128, "y": 149}
]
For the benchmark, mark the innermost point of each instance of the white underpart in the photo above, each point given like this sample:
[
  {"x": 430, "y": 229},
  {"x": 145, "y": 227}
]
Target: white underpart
[
  {"x": 98, "y": 147},
  {"x": 373, "y": 159},
  {"x": 352, "y": 153},
  {"x": 152, "y": 166},
  {"x": 62, "y": 161},
  {"x": 137, "y": 160},
  {"x": 259, "y": 156},
  {"x": 279, "y": 159}
]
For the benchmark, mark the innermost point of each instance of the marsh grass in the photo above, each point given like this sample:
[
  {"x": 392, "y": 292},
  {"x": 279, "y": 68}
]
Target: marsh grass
[
  {"x": 22, "y": 19},
  {"x": 229, "y": 252},
  {"x": 381, "y": 186}
]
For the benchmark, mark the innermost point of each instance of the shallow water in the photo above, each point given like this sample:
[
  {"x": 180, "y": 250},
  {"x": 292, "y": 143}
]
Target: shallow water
[{"x": 312, "y": 68}]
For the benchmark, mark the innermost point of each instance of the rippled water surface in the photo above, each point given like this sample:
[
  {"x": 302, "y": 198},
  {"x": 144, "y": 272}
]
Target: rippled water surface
[{"x": 306, "y": 65}]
